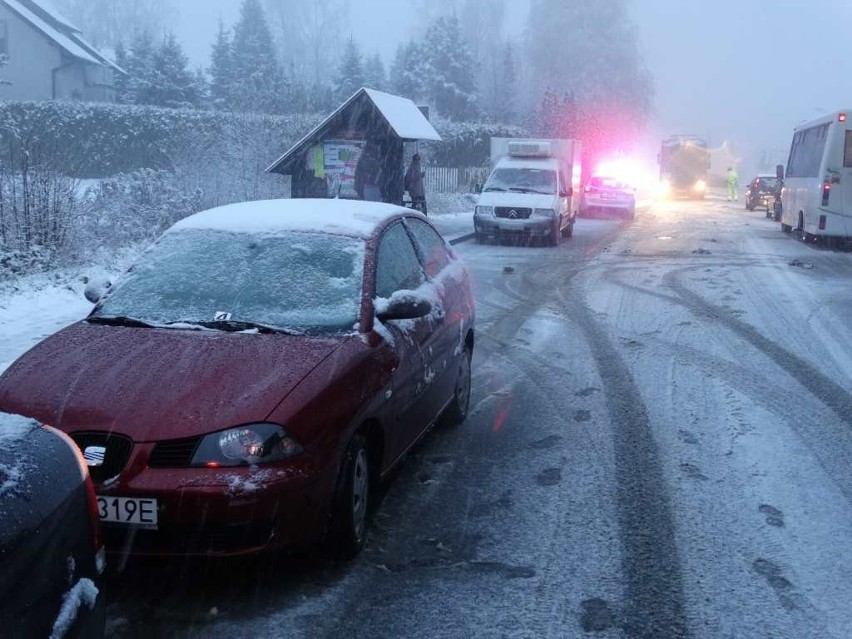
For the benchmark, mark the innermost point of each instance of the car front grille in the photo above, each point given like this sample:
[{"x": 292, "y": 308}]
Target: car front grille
[
  {"x": 510, "y": 213},
  {"x": 176, "y": 453},
  {"x": 106, "y": 453}
]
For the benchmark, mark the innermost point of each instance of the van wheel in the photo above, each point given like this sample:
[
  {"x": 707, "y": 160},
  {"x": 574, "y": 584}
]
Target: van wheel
[
  {"x": 349, "y": 505},
  {"x": 555, "y": 234}
]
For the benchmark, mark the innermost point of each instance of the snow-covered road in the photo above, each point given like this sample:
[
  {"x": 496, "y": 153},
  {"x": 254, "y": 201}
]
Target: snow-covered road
[{"x": 660, "y": 446}]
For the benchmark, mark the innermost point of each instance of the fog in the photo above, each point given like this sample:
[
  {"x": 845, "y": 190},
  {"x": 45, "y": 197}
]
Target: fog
[{"x": 739, "y": 72}]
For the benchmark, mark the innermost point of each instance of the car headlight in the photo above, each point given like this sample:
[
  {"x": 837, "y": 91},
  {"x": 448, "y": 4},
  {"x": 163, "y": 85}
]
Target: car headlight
[
  {"x": 701, "y": 185},
  {"x": 550, "y": 213},
  {"x": 247, "y": 445},
  {"x": 484, "y": 210}
]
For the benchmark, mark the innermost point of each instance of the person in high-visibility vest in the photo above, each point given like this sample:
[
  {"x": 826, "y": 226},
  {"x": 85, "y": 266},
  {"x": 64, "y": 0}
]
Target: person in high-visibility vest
[{"x": 733, "y": 184}]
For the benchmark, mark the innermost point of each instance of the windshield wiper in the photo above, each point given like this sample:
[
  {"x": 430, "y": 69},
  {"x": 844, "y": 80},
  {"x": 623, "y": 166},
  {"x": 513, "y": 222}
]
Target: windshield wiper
[
  {"x": 520, "y": 189},
  {"x": 495, "y": 188},
  {"x": 235, "y": 326},
  {"x": 119, "y": 320}
]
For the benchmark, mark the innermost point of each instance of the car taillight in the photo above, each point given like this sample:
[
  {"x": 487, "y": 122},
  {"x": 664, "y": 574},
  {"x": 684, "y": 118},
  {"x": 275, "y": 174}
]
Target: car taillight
[{"x": 826, "y": 192}]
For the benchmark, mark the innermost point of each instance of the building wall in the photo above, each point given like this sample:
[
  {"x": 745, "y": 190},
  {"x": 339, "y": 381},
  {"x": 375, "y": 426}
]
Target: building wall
[
  {"x": 32, "y": 58},
  {"x": 37, "y": 69}
]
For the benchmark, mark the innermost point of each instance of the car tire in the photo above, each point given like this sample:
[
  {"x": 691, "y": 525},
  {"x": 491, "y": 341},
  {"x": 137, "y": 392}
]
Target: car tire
[
  {"x": 348, "y": 527},
  {"x": 555, "y": 234},
  {"x": 459, "y": 406},
  {"x": 568, "y": 231},
  {"x": 786, "y": 228}
]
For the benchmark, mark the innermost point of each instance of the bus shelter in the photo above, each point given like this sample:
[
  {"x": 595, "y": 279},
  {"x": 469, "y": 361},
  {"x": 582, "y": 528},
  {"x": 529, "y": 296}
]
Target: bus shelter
[{"x": 358, "y": 151}]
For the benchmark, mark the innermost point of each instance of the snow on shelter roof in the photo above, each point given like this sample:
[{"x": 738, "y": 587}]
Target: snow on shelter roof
[
  {"x": 334, "y": 217},
  {"x": 64, "y": 34},
  {"x": 401, "y": 114}
]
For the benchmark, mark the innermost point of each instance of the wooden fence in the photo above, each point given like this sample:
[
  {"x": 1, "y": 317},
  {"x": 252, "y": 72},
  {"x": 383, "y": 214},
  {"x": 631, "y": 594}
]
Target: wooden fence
[{"x": 441, "y": 179}]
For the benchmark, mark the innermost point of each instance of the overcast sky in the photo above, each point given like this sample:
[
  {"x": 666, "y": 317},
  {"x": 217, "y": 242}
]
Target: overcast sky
[{"x": 743, "y": 71}]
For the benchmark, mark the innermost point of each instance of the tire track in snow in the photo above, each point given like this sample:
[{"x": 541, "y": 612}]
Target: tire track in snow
[
  {"x": 655, "y": 607},
  {"x": 812, "y": 379}
]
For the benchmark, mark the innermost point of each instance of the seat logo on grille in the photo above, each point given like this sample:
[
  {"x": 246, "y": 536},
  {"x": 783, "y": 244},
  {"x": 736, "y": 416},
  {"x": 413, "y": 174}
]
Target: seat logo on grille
[
  {"x": 94, "y": 455},
  {"x": 513, "y": 214}
]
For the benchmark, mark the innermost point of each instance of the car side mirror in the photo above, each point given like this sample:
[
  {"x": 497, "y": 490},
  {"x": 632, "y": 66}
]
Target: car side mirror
[
  {"x": 779, "y": 171},
  {"x": 96, "y": 289},
  {"x": 403, "y": 307}
]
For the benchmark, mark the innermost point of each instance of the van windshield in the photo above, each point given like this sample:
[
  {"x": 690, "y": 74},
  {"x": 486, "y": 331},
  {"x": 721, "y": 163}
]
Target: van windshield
[{"x": 522, "y": 180}]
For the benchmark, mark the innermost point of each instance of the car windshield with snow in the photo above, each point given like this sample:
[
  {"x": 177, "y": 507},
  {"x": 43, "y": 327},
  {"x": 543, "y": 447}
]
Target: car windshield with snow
[{"x": 289, "y": 280}]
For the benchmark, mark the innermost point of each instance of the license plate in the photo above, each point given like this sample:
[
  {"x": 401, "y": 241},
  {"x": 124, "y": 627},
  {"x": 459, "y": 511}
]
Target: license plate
[
  {"x": 609, "y": 196},
  {"x": 136, "y": 511}
]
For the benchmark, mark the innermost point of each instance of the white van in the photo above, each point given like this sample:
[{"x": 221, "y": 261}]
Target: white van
[
  {"x": 817, "y": 197},
  {"x": 533, "y": 189}
]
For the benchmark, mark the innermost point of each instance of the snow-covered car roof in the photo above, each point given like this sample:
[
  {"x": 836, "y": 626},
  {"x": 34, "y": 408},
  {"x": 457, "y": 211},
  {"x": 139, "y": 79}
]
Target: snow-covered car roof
[{"x": 335, "y": 217}]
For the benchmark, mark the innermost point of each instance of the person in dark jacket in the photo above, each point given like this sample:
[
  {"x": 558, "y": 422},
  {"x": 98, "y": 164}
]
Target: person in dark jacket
[
  {"x": 368, "y": 175},
  {"x": 414, "y": 183}
]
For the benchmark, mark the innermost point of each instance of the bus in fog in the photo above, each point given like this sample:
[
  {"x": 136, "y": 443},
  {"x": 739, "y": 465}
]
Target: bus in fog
[{"x": 817, "y": 196}]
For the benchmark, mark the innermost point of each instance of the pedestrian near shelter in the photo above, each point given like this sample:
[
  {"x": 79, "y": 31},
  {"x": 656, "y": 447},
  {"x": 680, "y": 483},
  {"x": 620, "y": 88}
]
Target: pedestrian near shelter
[{"x": 358, "y": 151}]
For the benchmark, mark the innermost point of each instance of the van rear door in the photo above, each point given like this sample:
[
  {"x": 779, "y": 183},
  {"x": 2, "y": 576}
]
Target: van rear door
[{"x": 846, "y": 172}]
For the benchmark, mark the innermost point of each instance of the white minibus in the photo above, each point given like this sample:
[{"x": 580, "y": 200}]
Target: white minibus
[{"x": 817, "y": 197}]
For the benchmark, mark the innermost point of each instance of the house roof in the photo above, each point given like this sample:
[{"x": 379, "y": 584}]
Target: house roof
[
  {"x": 43, "y": 17},
  {"x": 401, "y": 114}
]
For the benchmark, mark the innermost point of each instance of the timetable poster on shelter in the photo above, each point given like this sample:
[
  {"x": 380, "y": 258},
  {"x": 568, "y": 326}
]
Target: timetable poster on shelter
[{"x": 340, "y": 157}]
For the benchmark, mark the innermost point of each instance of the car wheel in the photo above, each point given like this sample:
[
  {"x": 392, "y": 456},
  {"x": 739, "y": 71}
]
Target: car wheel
[
  {"x": 457, "y": 411},
  {"x": 786, "y": 228},
  {"x": 568, "y": 231},
  {"x": 555, "y": 234},
  {"x": 351, "y": 498}
]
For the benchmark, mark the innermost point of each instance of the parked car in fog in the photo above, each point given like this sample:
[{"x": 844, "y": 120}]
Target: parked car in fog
[
  {"x": 51, "y": 556},
  {"x": 259, "y": 369},
  {"x": 605, "y": 195},
  {"x": 763, "y": 192}
]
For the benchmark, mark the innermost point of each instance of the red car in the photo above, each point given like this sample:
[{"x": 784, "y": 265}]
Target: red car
[{"x": 261, "y": 367}]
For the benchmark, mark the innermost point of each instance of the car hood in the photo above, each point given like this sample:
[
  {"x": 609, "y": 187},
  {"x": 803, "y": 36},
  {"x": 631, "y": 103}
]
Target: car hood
[
  {"x": 153, "y": 384},
  {"x": 517, "y": 200}
]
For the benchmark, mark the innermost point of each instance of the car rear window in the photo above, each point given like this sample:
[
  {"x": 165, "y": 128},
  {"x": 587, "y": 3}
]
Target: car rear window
[{"x": 608, "y": 183}]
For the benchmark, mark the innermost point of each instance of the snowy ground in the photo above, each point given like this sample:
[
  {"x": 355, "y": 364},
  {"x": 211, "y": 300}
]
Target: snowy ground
[{"x": 660, "y": 446}]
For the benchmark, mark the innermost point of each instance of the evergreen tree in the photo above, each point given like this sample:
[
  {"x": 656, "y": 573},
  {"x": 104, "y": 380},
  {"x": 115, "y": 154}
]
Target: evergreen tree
[
  {"x": 350, "y": 75},
  {"x": 221, "y": 69},
  {"x": 172, "y": 84},
  {"x": 121, "y": 81},
  {"x": 506, "y": 107},
  {"x": 450, "y": 70},
  {"x": 408, "y": 72},
  {"x": 140, "y": 69},
  {"x": 257, "y": 84},
  {"x": 375, "y": 75},
  {"x": 591, "y": 49},
  {"x": 202, "y": 88}
]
